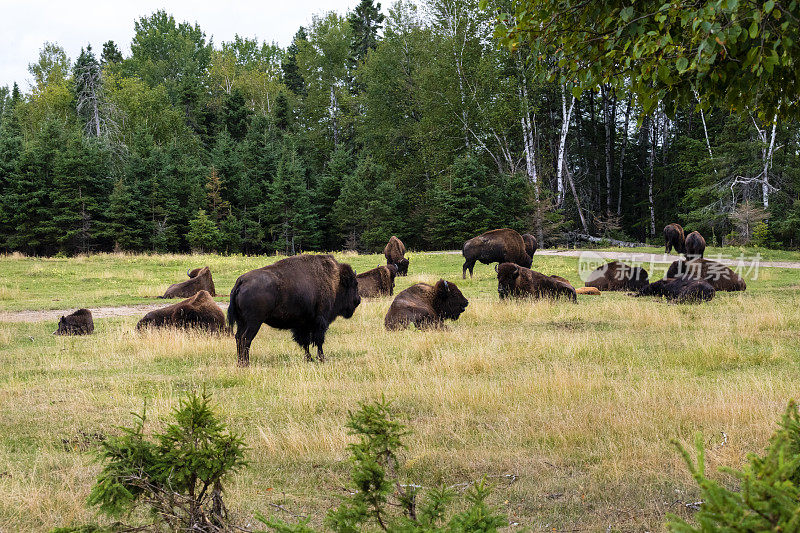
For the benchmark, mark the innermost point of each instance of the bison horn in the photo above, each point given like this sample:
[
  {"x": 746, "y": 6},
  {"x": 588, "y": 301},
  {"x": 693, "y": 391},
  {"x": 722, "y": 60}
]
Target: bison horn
[
  {"x": 496, "y": 267},
  {"x": 445, "y": 285},
  {"x": 189, "y": 272}
]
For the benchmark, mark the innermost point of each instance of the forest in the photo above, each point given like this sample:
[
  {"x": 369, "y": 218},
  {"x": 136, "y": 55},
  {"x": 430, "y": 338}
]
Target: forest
[{"x": 411, "y": 119}]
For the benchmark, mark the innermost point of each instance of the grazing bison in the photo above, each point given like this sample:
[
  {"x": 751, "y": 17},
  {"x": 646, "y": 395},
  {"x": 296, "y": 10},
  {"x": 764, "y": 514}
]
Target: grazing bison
[
  {"x": 681, "y": 290},
  {"x": 377, "y": 282},
  {"x": 616, "y": 276},
  {"x": 674, "y": 238},
  {"x": 426, "y": 306},
  {"x": 716, "y": 274},
  {"x": 695, "y": 245},
  {"x": 530, "y": 244},
  {"x": 78, "y": 323},
  {"x": 200, "y": 311},
  {"x": 199, "y": 280},
  {"x": 514, "y": 281},
  {"x": 395, "y": 252},
  {"x": 495, "y": 246},
  {"x": 303, "y": 293}
]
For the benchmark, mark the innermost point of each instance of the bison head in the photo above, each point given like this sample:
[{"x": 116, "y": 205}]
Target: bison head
[
  {"x": 638, "y": 278},
  {"x": 507, "y": 274},
  {"x": 448, "y": 300},
  {"x": 347, "y": 298},
  {"x": 62, "y": 326},
  {"x": 402, "y": 267}
]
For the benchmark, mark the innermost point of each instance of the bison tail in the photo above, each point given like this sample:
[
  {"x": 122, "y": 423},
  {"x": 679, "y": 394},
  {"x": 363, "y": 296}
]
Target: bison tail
[{"x": 233, "y": 310}]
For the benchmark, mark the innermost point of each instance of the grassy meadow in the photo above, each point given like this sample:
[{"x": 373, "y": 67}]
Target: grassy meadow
[{"x": 569, "y": 409}]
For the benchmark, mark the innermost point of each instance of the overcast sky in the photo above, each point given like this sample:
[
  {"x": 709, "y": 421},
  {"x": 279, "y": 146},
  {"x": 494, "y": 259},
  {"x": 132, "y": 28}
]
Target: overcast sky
[{"x": 26, "y": 24}]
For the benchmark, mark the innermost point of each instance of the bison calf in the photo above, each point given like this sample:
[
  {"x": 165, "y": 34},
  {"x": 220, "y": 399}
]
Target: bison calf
[
  {"x": 199, "y": 280},
  {"x": 304, "y": 294},
  {"x": 514, "y": 281},
  {"x": 78, "y": 323},
  {"x": 681, "y": 290},
  {"x": 616, "y": 276},
  {"x": 495, "y": 246},
  {"x": 426, "y": 306},
  {"x": 200, "y": 311},
  {"x": 395, "y": 252},
  {"x": 674, "y": 238},
  {"x": 716, "y": 274},
  {"x": 377, "y": 282}
]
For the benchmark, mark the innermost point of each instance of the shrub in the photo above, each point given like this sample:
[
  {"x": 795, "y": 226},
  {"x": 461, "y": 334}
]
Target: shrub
[{"x": 769, "y": 495}]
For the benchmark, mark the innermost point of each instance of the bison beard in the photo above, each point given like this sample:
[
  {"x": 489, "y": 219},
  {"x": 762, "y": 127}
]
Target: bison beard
[
  {"x": 616, "y": 276},
  {"x": 395, "y": 252},
  {"x": 426, "y": 306},
  {"x": 303, "y": 293},
  {"x": 78, "y": 323},
  {"x": 495, "y": 246},
  {"x": 199, "y": 280},
  {"x": 514, "y": 281},
  {"x": 377, "y": 282},
  {"x": 681, "y": 290},
  {"x": 695, "y": 245},
  {"x": 674, "y": 238}
]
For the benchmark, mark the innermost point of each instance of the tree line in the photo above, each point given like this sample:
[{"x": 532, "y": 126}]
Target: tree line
[{"x": 414, "y": 120}]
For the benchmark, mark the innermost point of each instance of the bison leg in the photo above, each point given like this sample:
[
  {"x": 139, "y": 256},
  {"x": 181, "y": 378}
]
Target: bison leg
[
  {"x": 318, "y": 338},
  {"x": 468, "y": 265},
  {"x": 244, "y": 337},
  {"x": 303, "y": 338}
]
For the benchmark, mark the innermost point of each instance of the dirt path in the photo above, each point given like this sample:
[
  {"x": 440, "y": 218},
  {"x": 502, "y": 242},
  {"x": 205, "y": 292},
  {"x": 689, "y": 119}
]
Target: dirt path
[{"x": 97, "y": 312}]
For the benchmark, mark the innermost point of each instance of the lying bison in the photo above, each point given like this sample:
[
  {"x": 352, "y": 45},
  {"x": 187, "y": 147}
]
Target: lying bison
[
  {"x": 495, "y": 246},
  {"x": 426, "y": 306},
  {"x": 78, "y": 323},
  {"x": 304, "y": 294},
  {"x": 530, "y": 244},
  {"x": 199, "y": 280},
  {"x": 395, "y": 252},
  {"x": 674, "y": 238},
  {"x": 616, "y": 276},
  {"x": 680, "y": 290},
  {"x": 514, "y": 281},
  {"x": 377, "y": 282},
  {"x": 200, "y": 311},
  {"x": 716, "y": 274},
  {"x": 695, "y": 245}
]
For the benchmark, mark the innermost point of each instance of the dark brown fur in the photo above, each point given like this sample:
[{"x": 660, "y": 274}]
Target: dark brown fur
[
  {"x": 530, "y": 244},
  {"x": 303, "y": 293},
  {"x": 426, "y": 306},
  {"x": 199, "y": 280},
  {"x": 78, "y": 323},
  {"x": 395, "y": 252},
  {"x": 616, "y": 276},
  {"x": 680, "y": 290},
  {"x": 377, "y": 282},
  {"x": 695, "y": 245},
  {"x": 495, "y": 246},
  {"x": 200, "y": 311},
  {"x": 514, "y": 281},
  {"x": 716, "y": 274},
  {"x": 674, "y": 238}
]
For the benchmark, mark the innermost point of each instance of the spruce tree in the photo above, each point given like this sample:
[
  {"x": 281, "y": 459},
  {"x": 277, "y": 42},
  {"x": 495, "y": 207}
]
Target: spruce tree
[
  {"x": 293, "y": 221},
  {"x": 90, "y": 99},
  {"x": 235, "y": 114},
  {"x": 10, "y": 150},
  {"x": 203, "y": 235},
  {"x": 111, "y": 54},
  {"x": 123, "y": 227},
  {"x": 365, "y": 21},
  {"x": 292, "y": 77},
  {"x": 463, "y": 204}
]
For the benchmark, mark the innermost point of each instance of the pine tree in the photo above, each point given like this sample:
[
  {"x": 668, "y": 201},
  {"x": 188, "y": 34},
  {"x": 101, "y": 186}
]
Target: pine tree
[
  {"x": 123, "y": 226},
  {"x": 292, "y": 77},
  {"x": 463, "y": 207},
  {"x": 365, "y": 21},
  {"x": 203, "y": 235},
  {"x": 111, "y": 54},
  {"x": 293, "y": 222},
  {"x": 235, "y": 114},
  {"x": 10, "y": 150}
]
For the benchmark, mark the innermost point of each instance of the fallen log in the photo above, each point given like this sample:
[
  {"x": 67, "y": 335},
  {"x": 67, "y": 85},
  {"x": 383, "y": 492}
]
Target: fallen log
[{"x": 612, "y": 242}]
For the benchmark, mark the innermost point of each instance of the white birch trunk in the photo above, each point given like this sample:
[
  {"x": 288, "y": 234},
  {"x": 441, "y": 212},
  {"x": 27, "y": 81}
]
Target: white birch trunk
[{"x": 566, "y": 115}]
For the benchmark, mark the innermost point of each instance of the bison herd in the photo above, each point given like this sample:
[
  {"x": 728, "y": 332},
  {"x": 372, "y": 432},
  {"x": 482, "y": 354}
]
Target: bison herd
[{"x": 306, "y": 293}]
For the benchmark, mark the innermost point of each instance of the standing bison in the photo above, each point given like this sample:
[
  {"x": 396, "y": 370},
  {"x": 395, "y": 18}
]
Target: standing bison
[
  {"x": 518, "y": 282},
  {"x": 530, "y": 244},
  {"x": 616, "y": 276},
  {"x": 695, "y": 245},
  {"x": 395, "y": 252},
  {"x": 304, "y": 294},
  {"x": 426, "y": 306},
  {"x": 716, "y": 274},
  {"x": 495, "y": 246},
  {"x": 199, "y": 280},
  {"x": 674, "y": 238},
  {"x": 78, "y": 323},
  {"x": 377, "y": 282},
  {"x": 680, "y": 290},
  {"x": 200, "y": 312}
]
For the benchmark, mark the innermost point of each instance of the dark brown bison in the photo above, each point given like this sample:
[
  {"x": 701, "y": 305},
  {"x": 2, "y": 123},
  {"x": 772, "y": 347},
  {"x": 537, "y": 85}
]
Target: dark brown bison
[
  {"x": 674, "y": 238},
  {"x": 680, "y": 290},
  {"x": 377, "y": 282},
  {"x": 199, "y": 280},
  {"x": 395, "y": 252},
  {"x": 616, "y": 276},
  {"x": 695, "y": 245},
  {"x": 530, "y": 244},
  {"x": 514, "y": 281},
  {"x": 200, "y": 311},
  {"x": 426, "y": 306},
  {"x": 495, "y": 246},
  {"x": 78, "y": 323},
  {"x": 304, "y": 294},
  {"x": 716, "y": 274}
]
